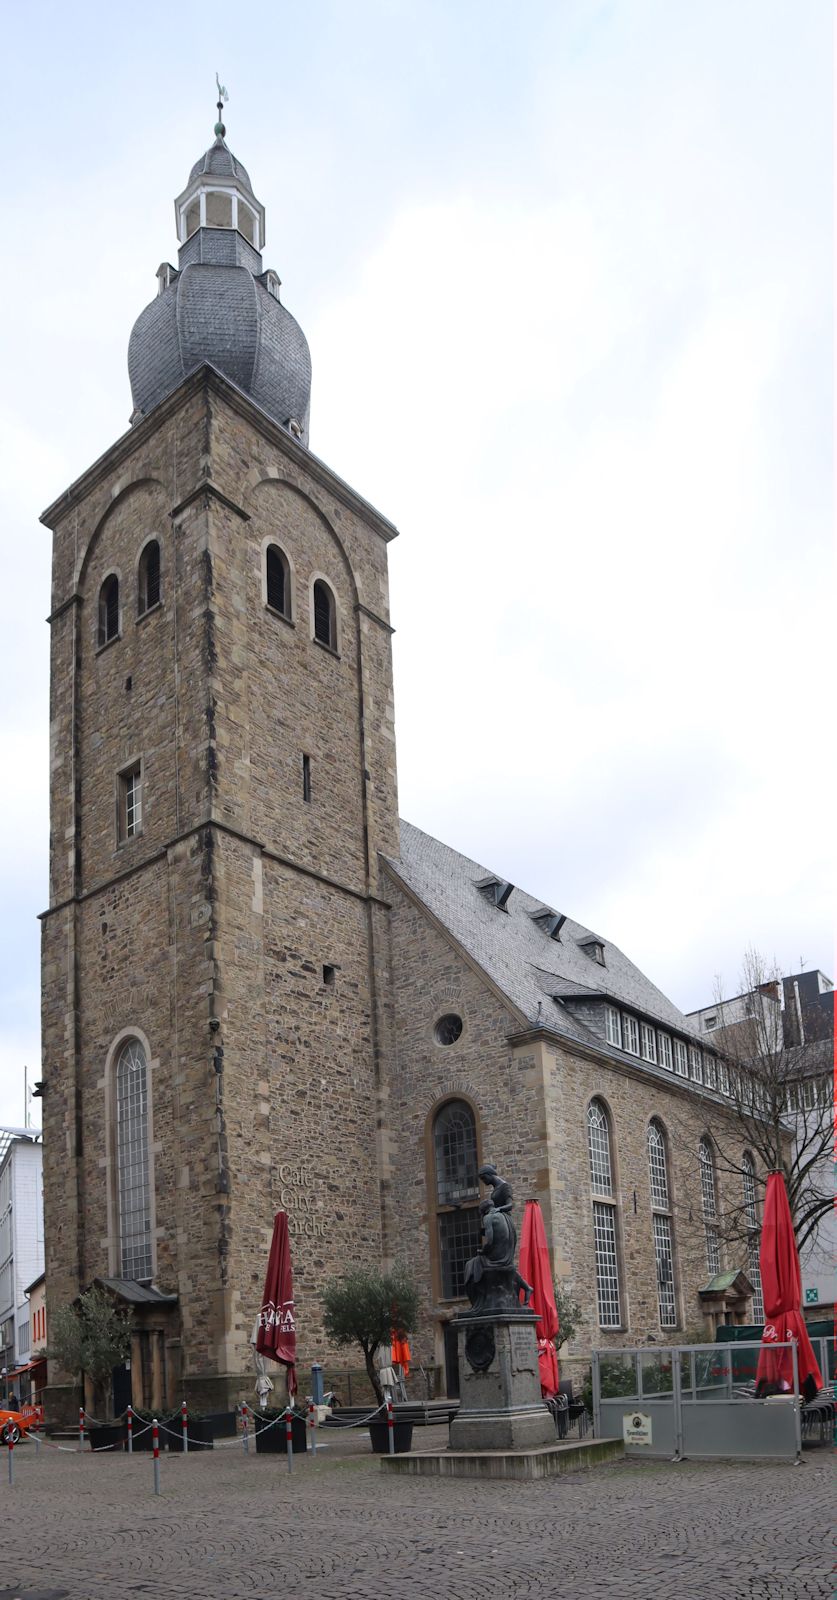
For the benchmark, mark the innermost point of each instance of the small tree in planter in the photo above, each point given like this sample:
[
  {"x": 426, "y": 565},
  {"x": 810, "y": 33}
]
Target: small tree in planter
[
  {"x": 91, "y": 1337},
  {"x": 366, "y": 1307}
]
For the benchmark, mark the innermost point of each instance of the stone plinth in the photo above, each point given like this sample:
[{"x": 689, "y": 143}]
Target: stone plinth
[
  {"x": 500, "y": 1405},
  {"x": 549, "y": 1461}
]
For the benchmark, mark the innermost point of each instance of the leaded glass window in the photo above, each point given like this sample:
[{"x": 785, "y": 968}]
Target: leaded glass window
[
  {"x": 710, "y": 1208},
  {"x": 748, "y": 1173},
  {"x": 598, "y": 1144},
  {"x": 665, "y": 1271},
  {"x": 457, "y": 1193},
  {"x": 132, "y": 1162},
  {"x": 607, "y": 1265},
  {"x": 657, "y": 1167},
  {"x": 459, "y": 1240}
]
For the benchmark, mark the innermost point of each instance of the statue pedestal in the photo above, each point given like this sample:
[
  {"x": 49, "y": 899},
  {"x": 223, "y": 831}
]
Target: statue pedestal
[{"x": 500, "y": 1405}]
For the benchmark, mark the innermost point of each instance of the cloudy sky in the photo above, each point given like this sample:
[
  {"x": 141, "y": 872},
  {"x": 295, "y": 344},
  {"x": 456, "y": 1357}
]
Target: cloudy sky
[{"x": 565, "y": 271}]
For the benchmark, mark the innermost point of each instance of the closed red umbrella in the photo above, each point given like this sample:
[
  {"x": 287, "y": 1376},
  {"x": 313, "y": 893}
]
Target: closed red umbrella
[
  {"x": 401, "y": 1353},
  {"x": 781, "y": 1282},
  {"x": 276, "y": 1323},
  {"x": 535, "y": 1268}
]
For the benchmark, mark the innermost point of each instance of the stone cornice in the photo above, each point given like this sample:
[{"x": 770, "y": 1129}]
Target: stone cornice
[
  {"x": 75, "y": 599},
  {"x": 215, "y": 493},
  {"x": 207, "y": 378},
  {"x": 220, "y": 827},
  {"x": 373, "y": 616}
]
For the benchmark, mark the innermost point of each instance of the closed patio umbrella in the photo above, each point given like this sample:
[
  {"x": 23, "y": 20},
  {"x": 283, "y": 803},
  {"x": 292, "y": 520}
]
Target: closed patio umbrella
[
  {"x": 535, "y": 1268},
  {"x": 781, "y": 1282},
  {"x": 276, "y": 1322}
]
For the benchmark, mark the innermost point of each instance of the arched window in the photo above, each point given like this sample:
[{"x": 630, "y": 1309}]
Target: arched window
[
  {"x": 277, "y": 580},
  {"x": 134, "y": 1196},
  {"x": 604, "y": 1216},
  {"x": 661, "y": 1224},
  {"x": 325, "y": 615},
  {"x": 109, "y": 610},
  {"x": 751, "y": 1219},
  {"x": 710, "y": 1205},
  {"x": 148, "y": 578},
  {"x": 456, "y": 1163}
]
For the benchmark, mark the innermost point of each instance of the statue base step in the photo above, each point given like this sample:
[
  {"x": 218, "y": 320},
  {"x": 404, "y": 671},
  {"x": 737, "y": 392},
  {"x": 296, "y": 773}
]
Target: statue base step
[{"x": 550, "y": 1461}]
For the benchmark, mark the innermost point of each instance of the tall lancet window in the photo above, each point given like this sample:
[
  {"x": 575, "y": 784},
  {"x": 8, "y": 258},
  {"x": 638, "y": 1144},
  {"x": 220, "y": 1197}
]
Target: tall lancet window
[
  {"x": 605, "y": 1234},
  {"x": 710, "y": 1206},
  {"x": 456, "y": 1164},
  {"x": 132, "y": 1162},
  {"x": 661, "y": 1224},
  {"x": 751, "y": 1219}
]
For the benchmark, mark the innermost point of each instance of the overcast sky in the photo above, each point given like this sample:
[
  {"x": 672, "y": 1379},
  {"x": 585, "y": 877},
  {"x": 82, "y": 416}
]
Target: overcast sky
[{"x": 565, "y": 271}]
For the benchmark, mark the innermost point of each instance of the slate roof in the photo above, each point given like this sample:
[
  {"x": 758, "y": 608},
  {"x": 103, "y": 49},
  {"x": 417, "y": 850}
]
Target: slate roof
[
  {"x": 137, "y": 1294},
  {"x": 220, "y": 161},
  {"x": 518, "y": 955}
]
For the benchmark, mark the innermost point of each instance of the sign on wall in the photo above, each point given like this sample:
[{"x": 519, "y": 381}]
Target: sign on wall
[
  {"x": 812, "y": 1297},
  {"x": 636, "y": 1427}
]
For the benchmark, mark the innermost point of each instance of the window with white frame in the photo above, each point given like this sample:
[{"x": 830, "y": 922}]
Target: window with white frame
[
  {"x": 664, "y": 1254},
  {"x": 133, "y": 1188},
  {"x": 681, "y": 1059},
  {"x": 723, "y": 1077},
  {"x": 664, "y": 1051},
  {"x": 129, "y": 802},
  {"x": 695, "y": 1063},
  {"x": 649, "y": 1042},
  {"x": 710, "y": 1070},
  {"x": 604, "y": 1216},
  {"x": 710, "y": 1208},
  {"x": 613, "y": 1023},
  {"x": 630, "y": 1034}
]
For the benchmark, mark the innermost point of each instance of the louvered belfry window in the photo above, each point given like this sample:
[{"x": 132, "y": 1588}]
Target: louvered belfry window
[
  {"x": 457, "y": 1193},
  {"x": 148, "y": 587},
  {"x": 132, "y": 1162},
  {"x": 276, "y": 576},
  {"x": 109, "y": 610},
  {"x": 324, "y": 618}
]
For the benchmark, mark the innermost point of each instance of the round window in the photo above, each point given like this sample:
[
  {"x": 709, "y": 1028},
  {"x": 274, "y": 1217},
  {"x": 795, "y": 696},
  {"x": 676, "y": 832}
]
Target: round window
[{"x": 448, "y": 1029}]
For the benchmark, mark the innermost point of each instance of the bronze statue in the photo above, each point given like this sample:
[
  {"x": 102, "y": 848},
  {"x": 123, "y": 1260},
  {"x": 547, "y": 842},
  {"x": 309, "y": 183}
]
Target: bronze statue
[{"x": 492, "y": 1282}]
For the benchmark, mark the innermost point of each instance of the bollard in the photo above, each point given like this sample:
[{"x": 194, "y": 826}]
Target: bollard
[
  {"x": 184, "y": 1423},
  {"x": 245, "y": 1433},
  {"x": 316, "y": 1383},
  {"x": 11, "y": 1438},
  {"x": 130, "y": 1430},
  {"x": 289, "y": 1438},
  {"x": 155, "y": 1442},
  {"x": 312, "y": 1423},
  {"x": 81, "y": 1427},
  {"x": 390, "y": 1428}
]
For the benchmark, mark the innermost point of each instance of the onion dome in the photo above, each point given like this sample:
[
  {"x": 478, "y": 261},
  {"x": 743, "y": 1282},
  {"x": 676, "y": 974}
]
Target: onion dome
[{"x": 219, "y": 305}]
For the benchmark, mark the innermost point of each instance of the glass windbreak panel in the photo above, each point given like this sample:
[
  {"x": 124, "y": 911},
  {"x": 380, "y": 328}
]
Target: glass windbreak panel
[
  {"x": 713, "y": 1372},
  {"x": 656, "y": 1373},
  {"x": 687, "y": 1374},
  {"x": 459, "y": 1240},
  {"x": 455, "y": 1146},
  {"x": 617, "y": 1373},
  {"x": 218, "y": 210}
]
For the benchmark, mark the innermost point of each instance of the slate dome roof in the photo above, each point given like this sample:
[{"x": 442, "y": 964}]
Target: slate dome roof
[
  {"x": 221, "y": 162},
  {"x": 222, "y": 315}
]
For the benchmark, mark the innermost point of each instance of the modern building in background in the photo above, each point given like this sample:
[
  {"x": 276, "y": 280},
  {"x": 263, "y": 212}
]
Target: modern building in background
[
  {"x": 21, "y": 1241},
  {"x": 259, "y": 989}
]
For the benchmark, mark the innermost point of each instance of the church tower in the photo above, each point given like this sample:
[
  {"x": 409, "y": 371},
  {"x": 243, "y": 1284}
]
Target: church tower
[{"x": 222, "y": 782}]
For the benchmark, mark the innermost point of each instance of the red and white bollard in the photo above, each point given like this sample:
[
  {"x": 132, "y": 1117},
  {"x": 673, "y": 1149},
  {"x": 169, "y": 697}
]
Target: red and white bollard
[
  {"x": 184, "y": 1423},
  {"x": 81, "y": 1427},
  {"x": 130, "y": 1430},
  {"x": 155, "y": 1445},
  {"x": 289, "y": 1438},
  {"x": 245, "y": 1428},
  {"x": 312, "y": 1424},
  {"x": 390, "y": 1428}
]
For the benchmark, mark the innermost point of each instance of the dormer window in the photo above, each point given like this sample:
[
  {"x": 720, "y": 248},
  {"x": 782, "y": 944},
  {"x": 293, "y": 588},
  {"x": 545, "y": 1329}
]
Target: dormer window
[
  {"x": 550, "y": 922},
  {"x": 497, "y": 890},
  {"x": 166, "y": 275},
  {"x": 593, "y": 948}
]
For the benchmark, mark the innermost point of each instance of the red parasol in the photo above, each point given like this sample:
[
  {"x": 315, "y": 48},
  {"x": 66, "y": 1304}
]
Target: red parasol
[
  {"x": 400, "y": 1353},
  {"x": 534, "y": 1267},
  {"x": 781, "y": 1282},
  {"x": 276, "y": 1336}
]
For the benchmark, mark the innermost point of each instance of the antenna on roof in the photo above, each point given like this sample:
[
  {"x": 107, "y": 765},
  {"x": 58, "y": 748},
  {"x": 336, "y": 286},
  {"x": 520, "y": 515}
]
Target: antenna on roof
[{"x": 220, "y": 130}]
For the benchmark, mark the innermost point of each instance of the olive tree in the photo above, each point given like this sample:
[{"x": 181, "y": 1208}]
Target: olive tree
[{"x": 366, "y": 1307}]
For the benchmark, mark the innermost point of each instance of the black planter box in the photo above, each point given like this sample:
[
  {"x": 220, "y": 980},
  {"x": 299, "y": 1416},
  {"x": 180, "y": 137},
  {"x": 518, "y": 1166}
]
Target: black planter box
[
  {"x": 273, "y": 1438},
  {"x": 107, "y": 1436},
  {"x": 224, "y": 1424},
  {"x": 143, "y": 1435},
  {"x": 379, "y": 1431},
  {"x": 201, "y": 1436}
]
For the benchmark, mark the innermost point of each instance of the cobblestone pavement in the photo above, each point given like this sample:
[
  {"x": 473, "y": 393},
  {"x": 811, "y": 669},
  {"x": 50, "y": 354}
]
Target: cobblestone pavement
[{"x": 89, "y": 1528}]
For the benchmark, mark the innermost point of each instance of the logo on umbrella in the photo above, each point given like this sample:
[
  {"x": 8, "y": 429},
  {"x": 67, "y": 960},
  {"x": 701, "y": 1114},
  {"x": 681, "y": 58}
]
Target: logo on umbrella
[{"x": 281, "y": 1316}]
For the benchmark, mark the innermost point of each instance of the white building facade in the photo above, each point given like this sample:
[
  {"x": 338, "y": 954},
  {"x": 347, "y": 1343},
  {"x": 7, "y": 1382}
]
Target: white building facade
[{"x": 21, "y": 1238}]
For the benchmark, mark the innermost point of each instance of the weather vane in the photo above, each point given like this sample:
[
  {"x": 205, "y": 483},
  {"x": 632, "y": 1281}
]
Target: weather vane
[{"x": 220, "y": 130}]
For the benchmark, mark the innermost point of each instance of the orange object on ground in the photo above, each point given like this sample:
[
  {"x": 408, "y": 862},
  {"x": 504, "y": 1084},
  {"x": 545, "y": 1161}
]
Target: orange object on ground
[{"x": 401, "y": 1353}]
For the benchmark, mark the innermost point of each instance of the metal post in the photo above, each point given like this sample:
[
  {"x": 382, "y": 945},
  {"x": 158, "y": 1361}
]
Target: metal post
[
  {"x": 155, "y": 1442},
  {"x": 184, "y": 1423},
  {"x": 597, "y": 1397},
  {"x": 289, "y": 1438},
  {"x": 245, "y": 1431},
  {"x": 797, "y": 1401},
  {"x": 312, "y": 1424},
  {"x": 678, "y": 1404},
  {"x": 81, "y": 1427},
  {"x": 316, "y": 1383},
  {"x": 390, "y": 1428},
  {"x": 11, "y": 1438},
  {"x": 130, "y": 1430}
]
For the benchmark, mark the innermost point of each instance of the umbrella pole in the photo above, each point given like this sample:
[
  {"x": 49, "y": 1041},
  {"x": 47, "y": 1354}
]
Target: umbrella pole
[{"x": 289, "y": 1438}]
